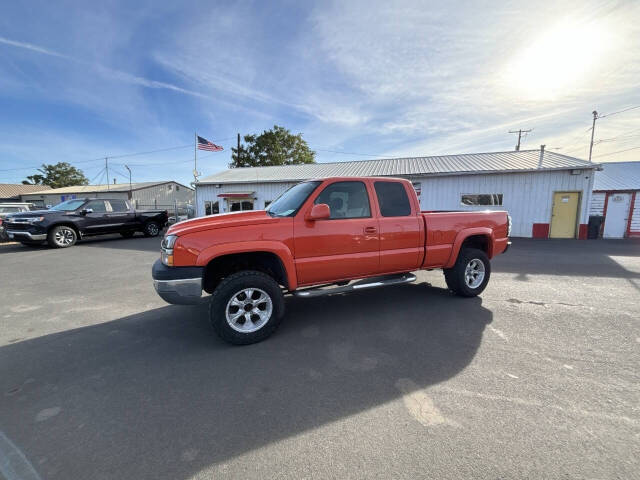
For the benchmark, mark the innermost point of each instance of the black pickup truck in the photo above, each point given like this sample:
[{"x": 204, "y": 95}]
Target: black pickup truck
[{"x": 61, "y": 226}]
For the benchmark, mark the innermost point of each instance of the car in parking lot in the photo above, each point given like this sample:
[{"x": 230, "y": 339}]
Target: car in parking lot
[
  {"x": 62, "y": 225},
  {"x": 8, "y": 208}
]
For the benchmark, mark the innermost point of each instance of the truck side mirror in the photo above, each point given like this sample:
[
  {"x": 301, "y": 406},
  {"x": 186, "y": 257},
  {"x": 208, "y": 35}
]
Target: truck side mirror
[
  {"x": 84, "y": 211},
  {"x": 319, "y": 212}
]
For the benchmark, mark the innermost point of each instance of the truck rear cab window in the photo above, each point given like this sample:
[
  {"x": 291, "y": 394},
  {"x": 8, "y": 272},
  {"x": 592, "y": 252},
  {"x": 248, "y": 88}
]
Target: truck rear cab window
[
  {"x": 481, "y": 199},
  {"x": 119, "y": 205},
  {"x": 346, "y": 200},
  {"x": 393, "y": 199}
]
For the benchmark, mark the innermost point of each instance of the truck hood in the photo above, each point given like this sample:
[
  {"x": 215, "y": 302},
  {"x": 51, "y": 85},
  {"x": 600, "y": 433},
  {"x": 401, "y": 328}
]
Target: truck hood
[
  {"x": 222, "y": 220},
  {"x": 34, "y": 213}
]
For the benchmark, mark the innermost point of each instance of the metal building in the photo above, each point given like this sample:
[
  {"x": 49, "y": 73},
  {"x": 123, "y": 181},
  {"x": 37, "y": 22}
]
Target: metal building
[
  {"x": 141, "y": 195},
  {"x": 615, "y": 203},
  {"x": 10, "y": 192},
  {"x": 546, "y": 193}
]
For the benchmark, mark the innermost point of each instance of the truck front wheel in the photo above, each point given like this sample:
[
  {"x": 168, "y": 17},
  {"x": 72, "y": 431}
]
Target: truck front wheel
[
  {"x": 62, "y": 236},
  {"x": 246, "y": 307},
  {"x": 470, "y": 274}
]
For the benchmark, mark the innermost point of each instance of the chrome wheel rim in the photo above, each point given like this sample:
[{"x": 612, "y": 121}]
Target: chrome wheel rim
[
  {"x": 249, "y": 310},
  {"x": 474, "y": 273},
  {"x": 64, "y": 237},
  {"x": 152, "y": 229}
]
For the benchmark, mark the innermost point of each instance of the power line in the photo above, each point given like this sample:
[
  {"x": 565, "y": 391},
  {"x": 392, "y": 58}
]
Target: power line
[
  {"x": 619, "y": 151},
  {"x": 619, "y": 111},
  {"x": 101, "y": 159}
]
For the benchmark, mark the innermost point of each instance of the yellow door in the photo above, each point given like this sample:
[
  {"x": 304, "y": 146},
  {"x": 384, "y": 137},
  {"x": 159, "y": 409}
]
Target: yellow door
[{"x": 564, "y": 214}]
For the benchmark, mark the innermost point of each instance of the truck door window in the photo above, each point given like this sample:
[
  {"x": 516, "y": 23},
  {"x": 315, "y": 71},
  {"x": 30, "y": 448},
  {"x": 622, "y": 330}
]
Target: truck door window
[
  {"x": 393, "y": 199},
  {"x": 346, "y": 200},
  {"x": 119, "y": 205},
  {"x": 97, "y": 206}
]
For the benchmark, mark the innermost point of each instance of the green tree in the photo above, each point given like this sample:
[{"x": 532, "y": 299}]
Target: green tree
[
  {"x": 57, "y": 176},
  {"x": 277, "y": 146}
]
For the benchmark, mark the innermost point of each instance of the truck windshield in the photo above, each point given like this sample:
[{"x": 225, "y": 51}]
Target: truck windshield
[
  {"x": 288, "y": 204},
  {"x": 68, "y": 206}
]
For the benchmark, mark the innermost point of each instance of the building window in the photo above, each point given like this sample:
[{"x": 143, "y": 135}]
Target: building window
[
  {"x": 481, "y": 199},
  {"x": 238, "y": 206},
  {"x": 177, "y": 188},
  {"x": 211, "y": 208},
  {"x": 170, "y": 188}
]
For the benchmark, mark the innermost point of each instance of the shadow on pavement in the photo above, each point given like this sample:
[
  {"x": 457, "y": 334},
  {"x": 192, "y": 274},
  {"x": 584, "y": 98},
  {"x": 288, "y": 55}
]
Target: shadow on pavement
[
  {"x": 559, "y": 257},
  {"x": 116, "y": 241},
  {"x": 157, "y": 394}
]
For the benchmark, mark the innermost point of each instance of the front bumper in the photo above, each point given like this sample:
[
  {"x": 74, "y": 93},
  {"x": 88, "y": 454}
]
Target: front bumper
[
  {"x": 23, "y": 234},
  {"x": 178, "y": 285}
]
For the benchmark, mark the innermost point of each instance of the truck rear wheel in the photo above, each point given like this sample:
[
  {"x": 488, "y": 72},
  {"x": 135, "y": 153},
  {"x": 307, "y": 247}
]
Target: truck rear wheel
[
  {"x": 151, "y": 229},
  {"x": 470, "y": 274},
  {"x": 246, "y": 307}
]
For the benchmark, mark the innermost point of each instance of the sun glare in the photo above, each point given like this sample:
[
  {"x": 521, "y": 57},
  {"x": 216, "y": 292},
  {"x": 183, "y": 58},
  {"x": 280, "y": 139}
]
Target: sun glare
[{"x": 559, "y": 60}]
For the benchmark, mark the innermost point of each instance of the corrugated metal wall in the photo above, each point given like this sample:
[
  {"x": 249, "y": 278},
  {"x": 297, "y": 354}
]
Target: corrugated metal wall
[
  {"x": 264, "y": 192},
  {"x": 56, "y": 199},
  {"x": 597, "y": 203},
  {"x": 164, "y": 194},
  {"x": 527, "y": 196},
  {"x": 635, "y": 216}
]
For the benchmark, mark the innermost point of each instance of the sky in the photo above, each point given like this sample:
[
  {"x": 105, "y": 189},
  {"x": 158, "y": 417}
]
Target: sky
[{"x": 359, "y": 79}]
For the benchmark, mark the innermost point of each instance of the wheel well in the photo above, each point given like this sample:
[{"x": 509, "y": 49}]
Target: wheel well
[
  {"x": 225, "y": 265},
  {"x": 481, "y": 242},
  {"x": 66, "y": 224}
]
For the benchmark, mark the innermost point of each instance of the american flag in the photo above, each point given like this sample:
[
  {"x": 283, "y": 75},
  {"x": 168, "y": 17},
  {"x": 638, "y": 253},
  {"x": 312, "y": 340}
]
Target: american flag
[{"x": 204, "y": 144}]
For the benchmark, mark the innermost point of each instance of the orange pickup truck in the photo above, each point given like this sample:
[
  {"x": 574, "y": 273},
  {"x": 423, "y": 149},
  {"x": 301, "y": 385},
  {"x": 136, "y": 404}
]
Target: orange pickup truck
[{"x": 321, "y": 237}]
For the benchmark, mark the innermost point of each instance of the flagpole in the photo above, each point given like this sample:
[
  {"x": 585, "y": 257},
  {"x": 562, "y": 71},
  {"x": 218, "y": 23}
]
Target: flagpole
[{"x": 195, "y": 156}]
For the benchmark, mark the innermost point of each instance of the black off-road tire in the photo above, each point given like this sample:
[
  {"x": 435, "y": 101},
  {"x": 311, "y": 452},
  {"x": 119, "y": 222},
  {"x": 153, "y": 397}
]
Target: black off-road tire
[
  {"x": 232, "y": 286},
  {"x": 62, "y": 236},
  {"x": 151, "y": 229},
  {"x": 128, "y": 234},
  {"x": 456, "y": 277}
]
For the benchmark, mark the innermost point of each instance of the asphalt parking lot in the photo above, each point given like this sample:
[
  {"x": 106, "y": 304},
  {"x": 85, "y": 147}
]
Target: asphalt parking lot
[{"x": 537, "y": 378}]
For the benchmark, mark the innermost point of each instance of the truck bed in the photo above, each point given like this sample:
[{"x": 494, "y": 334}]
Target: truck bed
[{"x": 445, "y": 229}]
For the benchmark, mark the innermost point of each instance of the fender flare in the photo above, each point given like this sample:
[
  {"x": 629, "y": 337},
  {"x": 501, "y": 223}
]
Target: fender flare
[
  {"x": 463, "y": 235},
  {"x": 277, "y": 248}
]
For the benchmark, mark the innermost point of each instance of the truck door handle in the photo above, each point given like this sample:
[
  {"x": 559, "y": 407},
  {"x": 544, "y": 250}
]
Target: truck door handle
[{"x": 370, "y": 230}]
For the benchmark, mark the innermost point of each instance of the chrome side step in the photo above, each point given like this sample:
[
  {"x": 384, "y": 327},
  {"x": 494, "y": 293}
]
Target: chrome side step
[{"x": 373, "y": 282}]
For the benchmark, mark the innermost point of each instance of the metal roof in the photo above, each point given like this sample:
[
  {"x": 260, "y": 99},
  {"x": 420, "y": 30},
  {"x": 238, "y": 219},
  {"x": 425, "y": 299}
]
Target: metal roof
[
  {"x": 9, "y": 190},
  {"x": 118, "y": 187},
  {"x": 618, "y": 176},
  {"x": 468, "y": 163}
]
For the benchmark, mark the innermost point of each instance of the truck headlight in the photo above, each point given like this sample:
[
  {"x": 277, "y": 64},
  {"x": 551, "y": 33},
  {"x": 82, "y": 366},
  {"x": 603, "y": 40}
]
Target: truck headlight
[
  {"x": 509, "y": 225},
  {"x": 166, "y": 249}
]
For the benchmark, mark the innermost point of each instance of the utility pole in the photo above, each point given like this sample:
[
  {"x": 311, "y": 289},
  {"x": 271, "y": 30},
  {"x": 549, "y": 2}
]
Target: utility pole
[
  {"x": 519, "y": 132},
  {"x": 106, "y": 165},
  {"x": 238, "y": 148},
  {"x": 593, "y": 130},
  {"x": 130, "y": 190}
]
